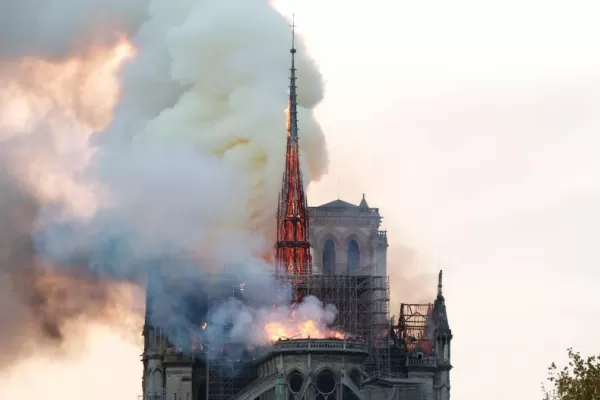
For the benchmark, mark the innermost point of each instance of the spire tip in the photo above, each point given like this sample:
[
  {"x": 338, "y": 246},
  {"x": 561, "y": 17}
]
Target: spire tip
[
  {"x": 293, "y": 49},
  {"x": 292, "y": 117}
]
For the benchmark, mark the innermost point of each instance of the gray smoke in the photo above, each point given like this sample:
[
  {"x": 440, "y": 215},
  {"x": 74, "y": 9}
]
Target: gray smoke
[
  {"x": 40, "y": 301},
  {"x": 57, "y": 28},
  {"x": 182, "y": 184},
  {"x": 159, "y": 224}
]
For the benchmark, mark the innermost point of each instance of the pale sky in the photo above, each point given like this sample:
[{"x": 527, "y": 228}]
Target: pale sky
[{"x": 473, "y": 126}]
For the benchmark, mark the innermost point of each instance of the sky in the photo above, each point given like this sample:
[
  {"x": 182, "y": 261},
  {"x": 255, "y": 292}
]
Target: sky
[{"x": 472, "y": 126}]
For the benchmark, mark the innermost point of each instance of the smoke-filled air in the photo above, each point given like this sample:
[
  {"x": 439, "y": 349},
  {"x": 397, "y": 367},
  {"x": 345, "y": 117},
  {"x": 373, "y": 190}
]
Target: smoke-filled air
[{"x": 146, "y": 139}]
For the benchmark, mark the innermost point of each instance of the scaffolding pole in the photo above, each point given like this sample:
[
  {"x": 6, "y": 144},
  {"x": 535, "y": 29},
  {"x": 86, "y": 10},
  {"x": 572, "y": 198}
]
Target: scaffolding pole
[
  {"x": 362, "y": 302},
  {"x": 223, "y": 376}
]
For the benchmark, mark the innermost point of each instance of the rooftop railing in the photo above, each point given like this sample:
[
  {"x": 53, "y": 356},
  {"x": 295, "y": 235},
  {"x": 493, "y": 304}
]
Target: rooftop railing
[{"x": 329, "y": 345}]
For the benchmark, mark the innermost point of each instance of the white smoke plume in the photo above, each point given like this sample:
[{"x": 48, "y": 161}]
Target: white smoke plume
[
  {"x": 223, "y": 80},
  {"x": 183, "y": 179}
]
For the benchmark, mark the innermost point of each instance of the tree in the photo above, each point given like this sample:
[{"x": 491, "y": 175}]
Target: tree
[{"x": 579, "y": 380}]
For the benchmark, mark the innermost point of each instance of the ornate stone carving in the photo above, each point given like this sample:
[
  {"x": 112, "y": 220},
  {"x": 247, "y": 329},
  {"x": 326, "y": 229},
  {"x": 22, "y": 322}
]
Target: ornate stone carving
[{"x": 343, "y": 222}]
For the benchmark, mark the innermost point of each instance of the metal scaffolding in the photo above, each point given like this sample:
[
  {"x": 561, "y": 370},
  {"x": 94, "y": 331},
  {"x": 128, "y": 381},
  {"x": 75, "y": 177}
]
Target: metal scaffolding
[
  {"x": 414, "y": 330},
  {"x": 226, "y": 376},
  {"x": 362, "y": 302}
]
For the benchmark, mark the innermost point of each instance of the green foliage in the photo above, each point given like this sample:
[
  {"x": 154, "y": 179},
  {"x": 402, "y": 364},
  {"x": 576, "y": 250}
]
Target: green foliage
[{"x": 579, "y": 380}]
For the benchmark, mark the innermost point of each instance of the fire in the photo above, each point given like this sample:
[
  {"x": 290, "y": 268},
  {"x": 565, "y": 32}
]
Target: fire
[
  {"x": 299, "y": 330},
  {"x": 293, "y": 329},
  {"x": 306, "y": 319}
]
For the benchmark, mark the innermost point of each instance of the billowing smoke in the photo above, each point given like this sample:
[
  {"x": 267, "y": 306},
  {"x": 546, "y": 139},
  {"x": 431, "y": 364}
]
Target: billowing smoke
[
  {"x": 54, "y": 29},
  {"x": 222, "y": 70},
  {"x": 46, "y": 116},
  {"x": 180, "y": 181}
]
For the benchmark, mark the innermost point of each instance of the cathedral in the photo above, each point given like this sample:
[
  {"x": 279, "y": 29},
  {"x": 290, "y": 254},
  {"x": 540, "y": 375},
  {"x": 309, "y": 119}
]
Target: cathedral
[{"x": 336, "y": 252}]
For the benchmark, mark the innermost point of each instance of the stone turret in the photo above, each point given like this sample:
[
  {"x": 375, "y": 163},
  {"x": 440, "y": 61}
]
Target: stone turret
[{"x": 443, "y": 338}]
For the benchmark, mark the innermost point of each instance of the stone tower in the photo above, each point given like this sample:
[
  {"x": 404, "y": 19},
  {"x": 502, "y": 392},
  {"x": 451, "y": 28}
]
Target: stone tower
[{"x": 347, "y": 240}]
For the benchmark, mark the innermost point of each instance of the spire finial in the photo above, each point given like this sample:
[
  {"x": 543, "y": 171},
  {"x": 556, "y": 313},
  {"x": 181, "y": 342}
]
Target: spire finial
[
  {"x": 293, "y": 49},
  {"x": 292, "y": 113},
  {"x": 363, "y": 202},
  {"x": 439, "y": 288}
]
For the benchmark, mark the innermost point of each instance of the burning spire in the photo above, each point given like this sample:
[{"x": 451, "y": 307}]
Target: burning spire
[{"x": 292, "y": 247}]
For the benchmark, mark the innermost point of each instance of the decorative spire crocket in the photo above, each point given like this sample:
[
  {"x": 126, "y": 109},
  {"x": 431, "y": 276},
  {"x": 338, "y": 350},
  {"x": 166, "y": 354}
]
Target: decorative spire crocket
[{"x": 292, "y": 247}]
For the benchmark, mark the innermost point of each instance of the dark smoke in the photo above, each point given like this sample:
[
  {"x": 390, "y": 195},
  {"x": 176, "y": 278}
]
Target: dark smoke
[{"x": 39, "y": 301}]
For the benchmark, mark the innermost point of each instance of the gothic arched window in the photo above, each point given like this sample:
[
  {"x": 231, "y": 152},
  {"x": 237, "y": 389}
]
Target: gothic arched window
[
  {"x": 328, "y": 261},
  {"x": 295, "y": 381},
  {"x": 326, "y": 385},
  {"x": 352, "y": 256}
]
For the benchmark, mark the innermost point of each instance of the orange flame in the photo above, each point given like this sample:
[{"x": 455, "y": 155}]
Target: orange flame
[{"x": 299, "y": 330}]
